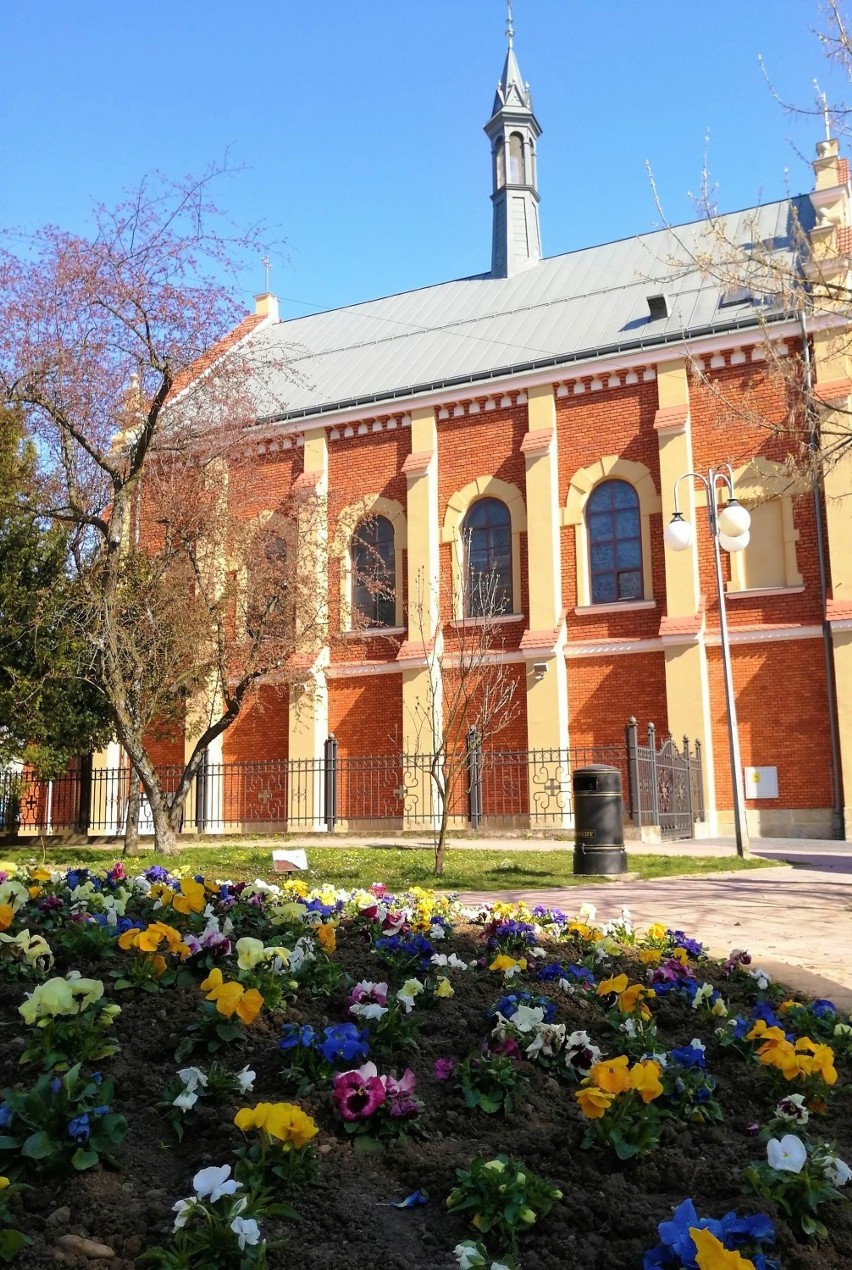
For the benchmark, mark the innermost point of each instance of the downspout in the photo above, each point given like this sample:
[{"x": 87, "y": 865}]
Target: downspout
[{"x": 837, "y": 825}]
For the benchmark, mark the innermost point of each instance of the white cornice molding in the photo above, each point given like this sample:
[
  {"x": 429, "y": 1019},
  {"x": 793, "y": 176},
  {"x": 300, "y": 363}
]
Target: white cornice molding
[
  {"x": 763, "y": 635},
  {"x": 612, "y": 647}
]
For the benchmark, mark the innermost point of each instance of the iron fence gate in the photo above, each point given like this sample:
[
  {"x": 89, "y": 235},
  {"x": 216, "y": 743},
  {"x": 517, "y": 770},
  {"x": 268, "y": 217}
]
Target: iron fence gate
[
  {"x": 483, "y": 788},
  {"x": 666, "y": 788}
]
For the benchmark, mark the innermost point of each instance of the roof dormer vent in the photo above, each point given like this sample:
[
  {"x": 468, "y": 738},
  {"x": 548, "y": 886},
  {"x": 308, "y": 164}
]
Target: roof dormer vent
[{"x": 658, "y": 306}]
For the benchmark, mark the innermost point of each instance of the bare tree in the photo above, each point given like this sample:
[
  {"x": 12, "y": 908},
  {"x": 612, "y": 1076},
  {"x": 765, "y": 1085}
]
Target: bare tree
[
  {"x": 126, "y": 354},
  {"x": 469, "y": 685}
]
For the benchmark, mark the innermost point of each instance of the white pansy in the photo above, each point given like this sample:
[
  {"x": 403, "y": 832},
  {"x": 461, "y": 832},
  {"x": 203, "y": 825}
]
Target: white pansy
[
  {"x": 214, "y": 1182},
  {"x": 793, "y": 1108},
  {"x": 186, "y": 1101},
  {"x": 527, "y": 1018},
  {"x": 247, "y": 1231},
  {"x": 836, "y": 1170},
  {"x": 588, "y": 913},
  {"x": 183, "y": 1208},
  {"x": 436, "y": 931},
  {"x": 192, "y": 1077},
  {"x": 787, "y": 1155},
  {"x": 246, "y": 1079},
  {"x": 370, "y": 1009},
  {"x": 762, "y": 977}
]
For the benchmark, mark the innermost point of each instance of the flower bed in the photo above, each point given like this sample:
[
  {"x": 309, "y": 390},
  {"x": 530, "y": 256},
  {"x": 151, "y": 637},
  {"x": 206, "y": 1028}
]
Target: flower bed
[{"x": 214, "y": 1075}]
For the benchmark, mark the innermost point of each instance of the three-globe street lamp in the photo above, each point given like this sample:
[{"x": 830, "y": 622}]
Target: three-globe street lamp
[{"x": 729, "y": 530}]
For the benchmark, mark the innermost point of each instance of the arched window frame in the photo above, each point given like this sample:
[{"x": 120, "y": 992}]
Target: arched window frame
[
  {"x": 516, "y": 156},
  {"x": 374, "y": 527},
  {"x": 499, "y": 164},
  {"x": 348, "y": 521},
  {"x": 583, "y": 482},
  {"x": 502, "y": 581},
  {"x": 760, "y": 483},
  {"x": 285, "y": 531},
  {"x": 452, "y": 533},
  {"x": 611, "y": 499}
]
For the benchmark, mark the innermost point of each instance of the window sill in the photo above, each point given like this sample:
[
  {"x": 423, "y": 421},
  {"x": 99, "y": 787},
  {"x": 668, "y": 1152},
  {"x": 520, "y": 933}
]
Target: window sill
[
  {"x": 757, "y": 591},
  {"x": 500, "y": 620},
  {"x": 373, "y": 632},
  {"x": 619, "y": 606}
]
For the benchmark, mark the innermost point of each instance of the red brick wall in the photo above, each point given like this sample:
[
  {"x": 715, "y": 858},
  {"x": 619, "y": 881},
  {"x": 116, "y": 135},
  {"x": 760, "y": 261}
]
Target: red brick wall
[
  {"x": 603, "y": 692},
  {"x": 261, "y": 731},
  {"x": 365, "y": 713},
  {"x": 782, "y": 714}
]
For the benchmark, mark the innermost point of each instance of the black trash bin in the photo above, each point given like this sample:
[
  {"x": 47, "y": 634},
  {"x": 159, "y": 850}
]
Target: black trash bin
[{"x": 598, "y": 821}]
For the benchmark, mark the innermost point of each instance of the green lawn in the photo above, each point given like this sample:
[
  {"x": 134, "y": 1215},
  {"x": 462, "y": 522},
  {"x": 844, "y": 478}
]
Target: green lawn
[{"x": 464, "y": 870}]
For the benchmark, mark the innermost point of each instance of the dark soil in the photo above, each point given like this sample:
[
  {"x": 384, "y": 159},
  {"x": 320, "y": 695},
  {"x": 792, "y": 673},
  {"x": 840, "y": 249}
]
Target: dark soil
[{"x": 606, "y": 1220}]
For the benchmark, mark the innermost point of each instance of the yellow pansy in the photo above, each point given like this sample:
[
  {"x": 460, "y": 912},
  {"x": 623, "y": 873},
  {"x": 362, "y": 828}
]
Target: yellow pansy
[
  {"x": 250, "y": 952},
  {"x": 7, "y": 916},
  {"x": 606, "y": 986},
  {"x": 191, "y": 898},
  {"x": 249, "y": 1006},
  {"x": 656, "y": 931},
  {"x": 681, "y": 955},
  {"x": 289, "y": 1124},
  {"x": 444, "y": 988},
  {"x": 4, "y": 1182},
  {"x": 326, "y": 937},
  {"x": 650, "y": 956},
  {"x": 762, "y": 1032},
  {"x": 711, "y": 1253},
  {"x": 504, "y": 962},
  {"x": 645, "y": 1078},
  {"x": 214, "y": 980},
  {"x": 594, "y": 1102},
  {"x": 611, "y": 1075},
  {"x": 40, "y": 875}
]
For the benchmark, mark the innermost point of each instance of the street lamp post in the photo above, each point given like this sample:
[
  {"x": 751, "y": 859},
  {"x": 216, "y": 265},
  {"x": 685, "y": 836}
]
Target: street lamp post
[{"x": 729, "y": 529}]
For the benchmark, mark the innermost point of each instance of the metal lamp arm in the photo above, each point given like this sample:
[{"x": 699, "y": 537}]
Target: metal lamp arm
[{"x": 698, "y": 476}]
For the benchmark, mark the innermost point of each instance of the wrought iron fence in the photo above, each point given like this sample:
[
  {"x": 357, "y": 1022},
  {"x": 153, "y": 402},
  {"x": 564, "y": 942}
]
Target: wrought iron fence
[{"x": 482, "y": 788}]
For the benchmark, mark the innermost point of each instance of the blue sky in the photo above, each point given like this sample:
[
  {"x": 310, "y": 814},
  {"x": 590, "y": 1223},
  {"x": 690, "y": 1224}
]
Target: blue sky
[{"x": 359, "y": 122}]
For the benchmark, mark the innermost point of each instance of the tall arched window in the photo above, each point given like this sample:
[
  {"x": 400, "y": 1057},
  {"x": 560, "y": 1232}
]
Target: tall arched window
[
  {"x": 499, "y": 164},
  {"x": 615, "y": 543},
  {"x": 517, "y": 175},
  {"x": 267, "y": 599},
  {"x": 487, "y": 531},
  {"x": 374, "y": 572}
]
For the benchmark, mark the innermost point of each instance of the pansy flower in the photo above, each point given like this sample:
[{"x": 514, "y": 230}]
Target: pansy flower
[{"x": 358, "y": 1094}]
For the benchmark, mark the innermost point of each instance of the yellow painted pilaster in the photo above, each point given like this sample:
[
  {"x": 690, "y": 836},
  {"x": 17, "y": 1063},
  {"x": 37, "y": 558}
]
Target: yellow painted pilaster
[
  {"x": 543, "y": 643},
  {"x": 687, "y": 680},
  {"x": 308, "y": 724},
  {"x": 421, "y": 695}
]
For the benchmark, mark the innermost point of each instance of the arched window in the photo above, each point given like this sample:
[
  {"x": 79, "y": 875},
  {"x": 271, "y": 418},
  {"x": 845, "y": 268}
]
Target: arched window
[
  {"x": 499, "y": 164},
  {"x": 374, "y": 572},
  {"x": 615, "y": 543},
  {"x": 517, "y": 175},
  {"x": 487, "y": 532},
  {"x": 267, "y": 612}
]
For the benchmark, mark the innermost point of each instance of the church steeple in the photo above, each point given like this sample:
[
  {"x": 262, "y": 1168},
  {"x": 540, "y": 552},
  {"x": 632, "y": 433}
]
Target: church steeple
[{"x": 513, "y": 131}]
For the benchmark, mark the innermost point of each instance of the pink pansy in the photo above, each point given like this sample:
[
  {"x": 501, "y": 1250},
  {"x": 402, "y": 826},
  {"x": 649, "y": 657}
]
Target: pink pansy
[
  {"x": 444, "y": 1068},
  {"x": 508, "y": 1046},
  {"x": 379, "y": 890},
  {"x": 359, "y": 1094},
  {"x": 401, "y": 1104}
]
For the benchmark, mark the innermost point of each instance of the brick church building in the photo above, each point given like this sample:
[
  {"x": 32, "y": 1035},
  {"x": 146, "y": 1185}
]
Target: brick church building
[{"x": 533, "y": 420}]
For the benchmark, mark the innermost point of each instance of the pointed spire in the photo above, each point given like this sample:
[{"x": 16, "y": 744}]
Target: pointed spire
[
  {"x": 511, "y": 89},
  {"x": 513, "y": 131}
]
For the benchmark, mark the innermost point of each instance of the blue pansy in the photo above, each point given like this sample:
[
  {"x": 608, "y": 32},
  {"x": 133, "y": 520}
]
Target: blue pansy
[
  {"x": 508, "y": 1005},
  {"x": 689, "y": 1056},
  {"x": 78, "y": 1129},
  {"x": 103, "y": 1110},
  {"x": 5, "y": 1116},
  {"x": 343, "y": 1042},
  {"x": 692, "y": 946},
  {"x": 295, "y": 1035},
  {"x": 55, "y": 1085},
  {"x": 821, "y": 1007}
]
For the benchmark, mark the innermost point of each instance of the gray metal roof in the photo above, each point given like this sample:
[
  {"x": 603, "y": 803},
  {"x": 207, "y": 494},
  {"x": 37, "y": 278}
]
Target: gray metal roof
[{"x": 567, "y": 308}]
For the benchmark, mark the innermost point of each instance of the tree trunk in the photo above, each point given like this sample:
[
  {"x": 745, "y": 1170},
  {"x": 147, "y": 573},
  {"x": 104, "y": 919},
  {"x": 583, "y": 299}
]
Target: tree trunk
[
  {"x": 443, "y": 787},
  {"x": 131, "y": 828}
]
